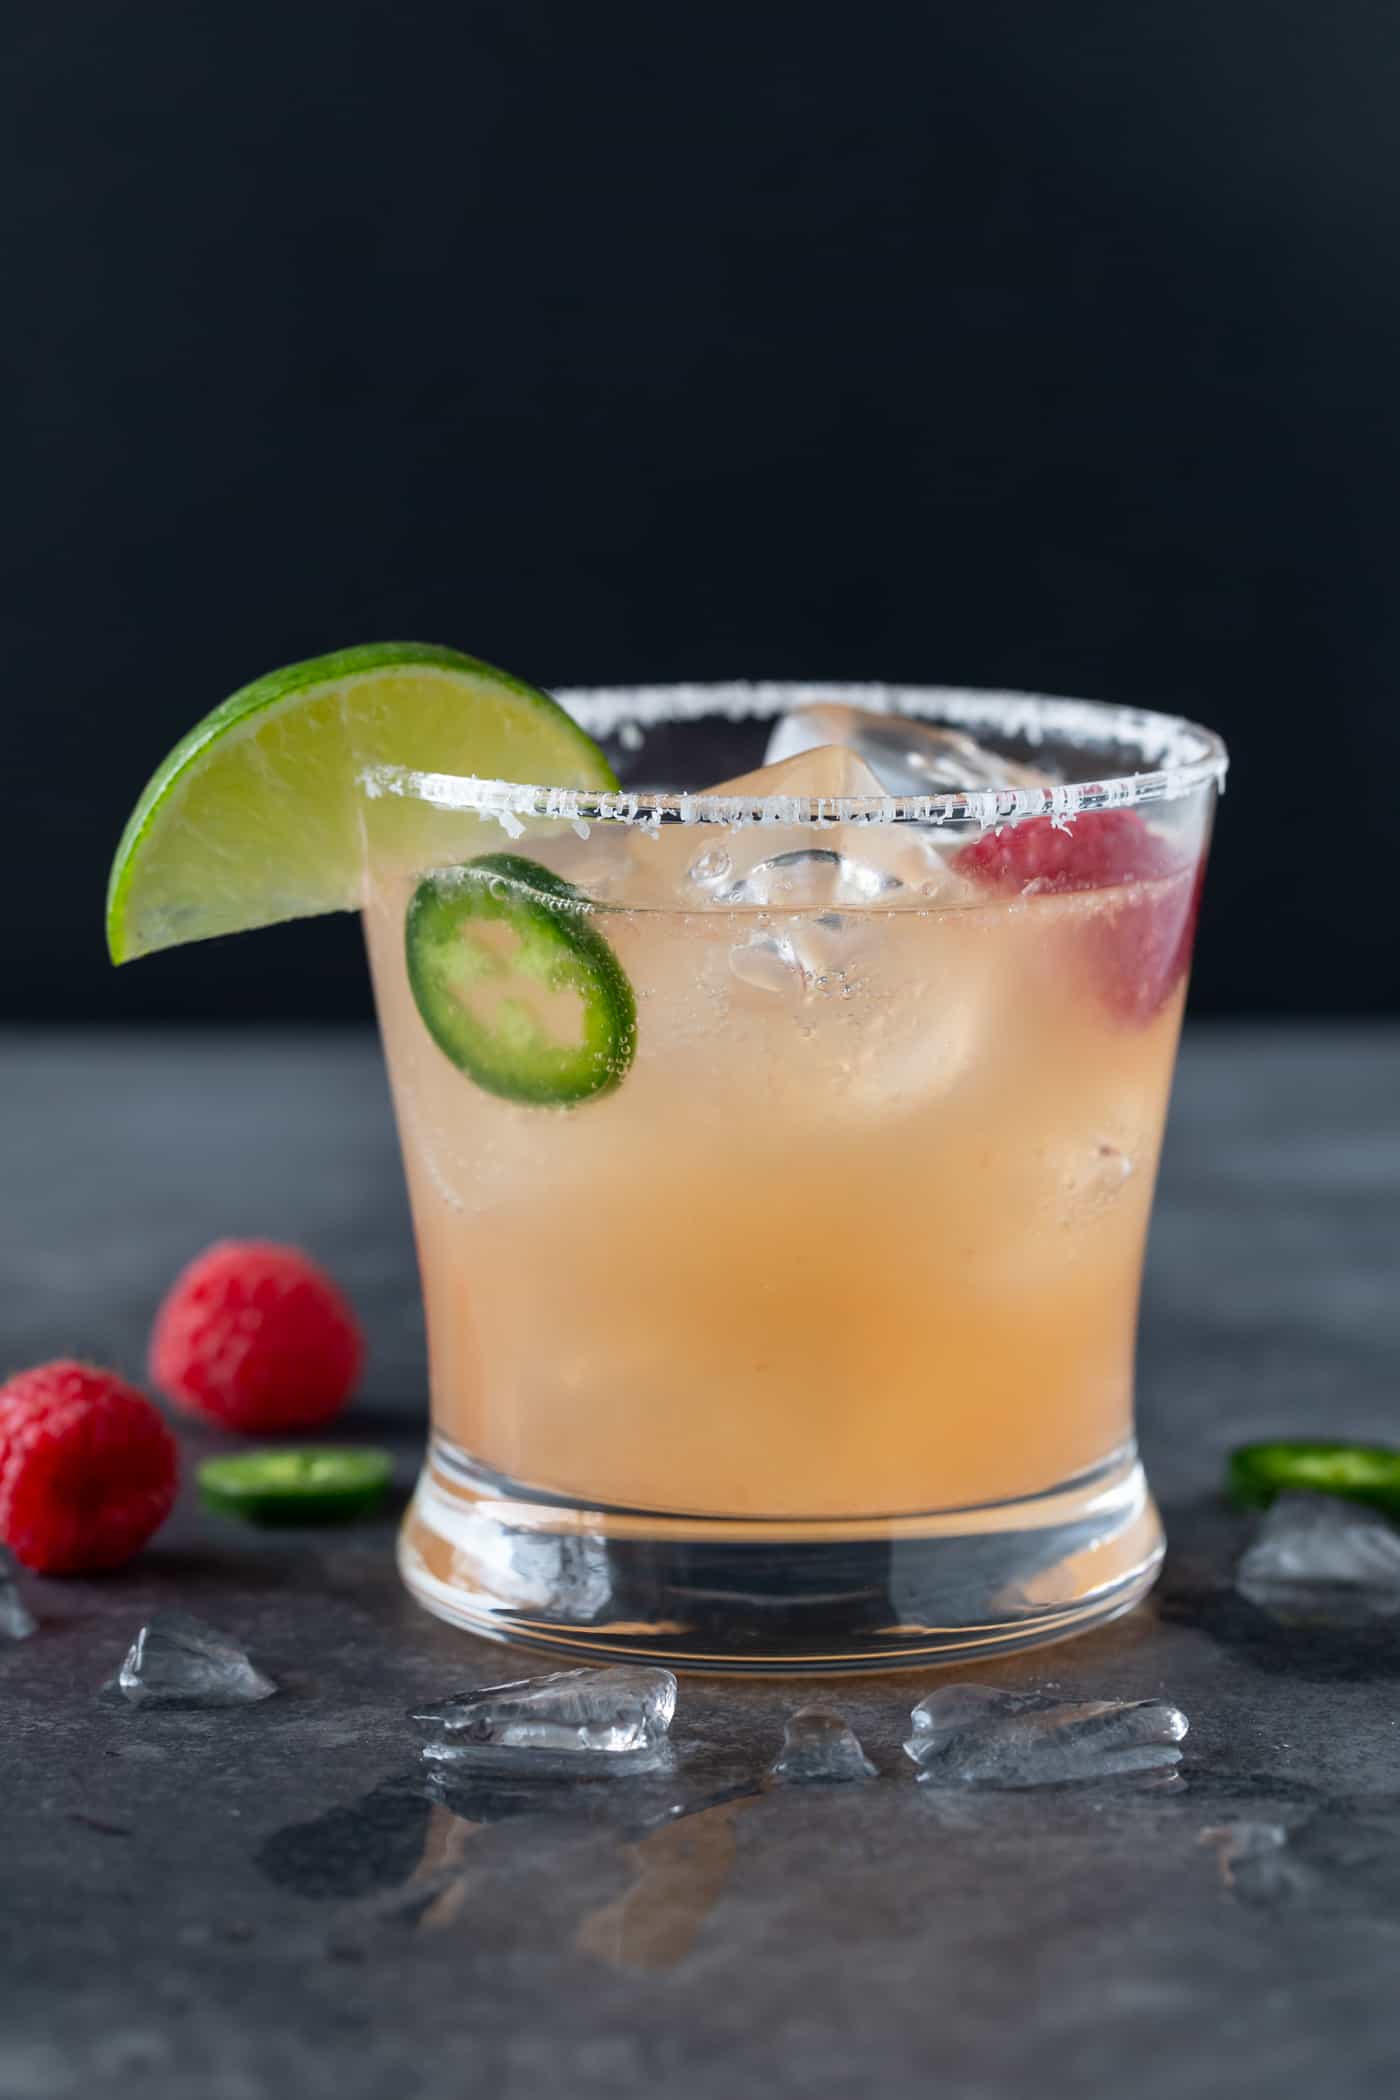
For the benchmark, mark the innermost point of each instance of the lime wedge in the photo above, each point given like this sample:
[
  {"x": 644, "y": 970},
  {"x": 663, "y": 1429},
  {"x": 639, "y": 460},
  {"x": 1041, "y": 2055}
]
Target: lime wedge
[{"x": 253, "y": 817}]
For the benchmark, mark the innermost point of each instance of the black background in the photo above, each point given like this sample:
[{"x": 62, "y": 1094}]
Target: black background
[{"x": 1016, "y": 343}]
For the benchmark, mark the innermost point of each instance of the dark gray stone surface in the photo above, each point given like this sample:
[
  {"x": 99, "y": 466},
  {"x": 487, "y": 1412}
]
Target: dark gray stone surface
[{"x": 266, "y": 1903}]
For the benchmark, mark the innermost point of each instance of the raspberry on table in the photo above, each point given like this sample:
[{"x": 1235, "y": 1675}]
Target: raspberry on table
[
  {"x": 255, "y": 1336},
  {"x": 88, "y": 1468}
]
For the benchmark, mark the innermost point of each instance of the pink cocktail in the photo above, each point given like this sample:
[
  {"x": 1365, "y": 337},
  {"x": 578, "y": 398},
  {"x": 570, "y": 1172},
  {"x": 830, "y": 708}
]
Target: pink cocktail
[{"x": 806, "y": 1338}]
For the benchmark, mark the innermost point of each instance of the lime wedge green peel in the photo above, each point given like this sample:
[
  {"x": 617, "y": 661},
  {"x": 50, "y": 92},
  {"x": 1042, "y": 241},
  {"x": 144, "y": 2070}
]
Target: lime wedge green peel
[
  {"x": 253, "y": 817},
  {"x": 320, "y": 1485}
]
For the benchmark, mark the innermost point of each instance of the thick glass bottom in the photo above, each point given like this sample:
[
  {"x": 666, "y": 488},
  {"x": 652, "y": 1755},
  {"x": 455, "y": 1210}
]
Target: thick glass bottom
[{"x": 770, "y": 1596}]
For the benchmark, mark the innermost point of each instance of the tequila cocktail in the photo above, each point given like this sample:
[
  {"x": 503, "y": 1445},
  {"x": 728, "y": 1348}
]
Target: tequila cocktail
[{"x": 794, "y": 1324}]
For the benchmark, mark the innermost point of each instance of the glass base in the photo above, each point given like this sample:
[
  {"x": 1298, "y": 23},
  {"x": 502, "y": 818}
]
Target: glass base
[{"x": 768, "y": 1596}]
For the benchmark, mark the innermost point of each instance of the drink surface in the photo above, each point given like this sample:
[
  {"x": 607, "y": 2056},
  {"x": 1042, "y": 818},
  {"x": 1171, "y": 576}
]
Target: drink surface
[{"x": 859, "y": 1234}]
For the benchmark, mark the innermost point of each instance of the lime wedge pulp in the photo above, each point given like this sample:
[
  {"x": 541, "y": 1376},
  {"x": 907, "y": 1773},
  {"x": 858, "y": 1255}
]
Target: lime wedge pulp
[{"x": 252, "y": 818}]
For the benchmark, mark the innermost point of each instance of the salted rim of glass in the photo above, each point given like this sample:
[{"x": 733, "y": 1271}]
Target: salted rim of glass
[{"x": 1179, "y": 757}]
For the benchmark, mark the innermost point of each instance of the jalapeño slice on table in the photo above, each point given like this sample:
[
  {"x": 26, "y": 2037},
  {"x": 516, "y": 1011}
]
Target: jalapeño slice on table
[
  {"x": 1369, "y": 1473},
  {"x": 516, "y": 984},
  {"x": 318, "y": 1485}
]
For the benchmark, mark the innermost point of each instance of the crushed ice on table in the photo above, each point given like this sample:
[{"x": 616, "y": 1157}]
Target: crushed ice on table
[
  {"x": 176, "y": 1660},
  {"x": 1319, "y": 1558},
  {"x": 820, "y": 1748},
  {"x": 909, "y": 757},
  {"x": 975, "y": 1735},
  {"x": 570, "y": 1721},
  {"x": 17, "y": 1621}
]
